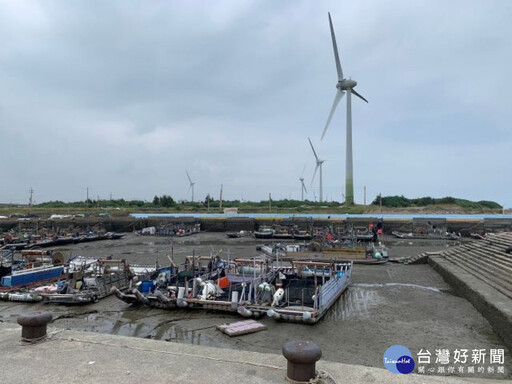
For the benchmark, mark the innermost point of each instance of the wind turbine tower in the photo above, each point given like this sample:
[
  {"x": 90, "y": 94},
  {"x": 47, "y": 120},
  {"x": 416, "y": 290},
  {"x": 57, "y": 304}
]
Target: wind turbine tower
[
  {"x": 344, "y": 85},
  {"x": 303, "y": 187},
  {"x": 191, "y": 185},
  {"x": 318, "y": 165}
]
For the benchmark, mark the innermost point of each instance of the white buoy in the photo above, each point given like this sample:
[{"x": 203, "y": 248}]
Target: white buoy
[{"x": 277, "y": 297}]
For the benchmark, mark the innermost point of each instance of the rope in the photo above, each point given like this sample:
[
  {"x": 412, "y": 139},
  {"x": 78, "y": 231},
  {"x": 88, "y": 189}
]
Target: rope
[
  {"x": 172, "y": 353},
  {"x": 325, "y": 376},
  {"x": 322, "y": 377},
  {"x": 23, "y": 341}
]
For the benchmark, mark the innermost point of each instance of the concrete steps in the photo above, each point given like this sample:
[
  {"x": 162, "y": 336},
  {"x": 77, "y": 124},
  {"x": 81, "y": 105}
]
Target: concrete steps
[{"x": 486, "y": 260}]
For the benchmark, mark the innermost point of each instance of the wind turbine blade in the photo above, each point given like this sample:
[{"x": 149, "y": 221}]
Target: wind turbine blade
[
  {"x": 189, "y": 179},
  {"x": 314, "y": 153},
  {"x": 303, "y": 169},
  {"x": 337, "y": 98},
  {"x": 358, "y": 95},
  {"x": 335, "y": 47},
  {"x": 303, "y": 186},
  {"x": 314, "y": 173}
]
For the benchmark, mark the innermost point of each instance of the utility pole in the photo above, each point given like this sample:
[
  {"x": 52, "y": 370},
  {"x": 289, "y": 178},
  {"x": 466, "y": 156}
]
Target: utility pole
[
  {"x": 87, "y": 200},
  {"x": 220, "y": 205},
  {"x": 364, "y": 199},
  {"x": 208, "y": 202},
  {"x": 269, "y": 202},
  {"x": 30, "y": 201}
]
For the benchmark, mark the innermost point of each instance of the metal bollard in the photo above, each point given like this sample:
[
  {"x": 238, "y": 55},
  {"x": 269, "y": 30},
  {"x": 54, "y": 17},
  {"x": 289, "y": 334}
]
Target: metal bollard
[
  {"x": 34, "y": 325},
  {"x": 302, "y": 357}
]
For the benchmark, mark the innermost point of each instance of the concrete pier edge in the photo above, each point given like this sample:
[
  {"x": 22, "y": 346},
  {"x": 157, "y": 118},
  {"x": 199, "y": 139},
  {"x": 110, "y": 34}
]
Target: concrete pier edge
[
  {"x": 493, "y": 305},
  {"x": 84, "y": 357}
]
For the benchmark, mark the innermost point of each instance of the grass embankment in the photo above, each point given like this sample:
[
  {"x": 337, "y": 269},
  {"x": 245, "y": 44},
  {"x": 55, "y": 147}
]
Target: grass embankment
[{"x": 24, "y": 211}]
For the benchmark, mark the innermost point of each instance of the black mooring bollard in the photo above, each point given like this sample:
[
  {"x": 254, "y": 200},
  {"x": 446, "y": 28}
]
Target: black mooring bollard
[
  {"x": 33, "y": 325},
  {"x": 302, "y": 357}
]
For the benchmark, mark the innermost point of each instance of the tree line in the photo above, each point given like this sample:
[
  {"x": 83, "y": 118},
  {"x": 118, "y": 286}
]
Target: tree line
[{"x": 166, "y": 201}]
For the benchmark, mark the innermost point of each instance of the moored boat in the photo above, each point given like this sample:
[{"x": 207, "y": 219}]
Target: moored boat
[
  {"x": 264, "y": 233},
  {"x": 238, "y": 234},
  {"x": 429, "y": 235},
  {"x": 82, "y": 287}
]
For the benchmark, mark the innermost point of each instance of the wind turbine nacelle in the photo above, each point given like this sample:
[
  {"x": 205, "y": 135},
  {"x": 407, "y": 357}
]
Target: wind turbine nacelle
[{"x": 346, "y": 84}]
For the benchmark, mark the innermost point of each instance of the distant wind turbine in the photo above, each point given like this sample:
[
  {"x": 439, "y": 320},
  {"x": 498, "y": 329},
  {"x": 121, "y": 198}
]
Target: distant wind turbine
[
  {"x": 343, "y": 86},
  {"x": 318, "y": 165},
  {"x": 303, "y": 187},
  {"x": 191, "y": 185}
]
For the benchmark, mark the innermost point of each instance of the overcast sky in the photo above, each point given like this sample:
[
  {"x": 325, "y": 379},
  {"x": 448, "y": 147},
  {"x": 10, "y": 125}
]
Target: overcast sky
[{"x": 122, "y": 97}]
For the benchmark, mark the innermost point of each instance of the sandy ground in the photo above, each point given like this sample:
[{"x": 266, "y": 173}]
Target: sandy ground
[{"x": 385, "y": 305}]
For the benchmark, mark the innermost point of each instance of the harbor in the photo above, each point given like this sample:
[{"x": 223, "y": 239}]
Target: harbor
[{"x": 395, "y": 303}]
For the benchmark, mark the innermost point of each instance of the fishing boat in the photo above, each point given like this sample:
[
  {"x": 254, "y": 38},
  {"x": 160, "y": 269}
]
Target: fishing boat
[
  {"x": 298, "y": 291},
  {"x": 238, "y": 234},
  {"x": 282, "y": 232},
  {"x": 264, "y": 232},
  {"x": 115, "y": 235},
  {"x": 306, "y": 293},
  {"x": 357, "y": 234},
  {"x": 83, "y": 286},
  {"x": 158, "y": 290},
  {"x": 427, "y": 235},
  {"x": 90, "y": 236},
  {"x": 295, "y": 291},
  {"x": 300, "y": 234},
  {"x": 33, "y": 268},
  {"x": 372, "y": 253}
]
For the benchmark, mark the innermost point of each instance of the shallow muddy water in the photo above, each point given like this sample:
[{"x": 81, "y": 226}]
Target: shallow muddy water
[{"x": 385, "y": 305}]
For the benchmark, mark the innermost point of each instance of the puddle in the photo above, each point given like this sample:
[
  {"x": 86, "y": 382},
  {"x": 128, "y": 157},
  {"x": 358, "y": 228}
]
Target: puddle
[{"x": 382, "y": 285}]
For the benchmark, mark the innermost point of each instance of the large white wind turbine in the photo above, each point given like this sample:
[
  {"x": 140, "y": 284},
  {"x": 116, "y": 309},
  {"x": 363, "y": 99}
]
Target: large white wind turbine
[
  {"x": 191, "y": 185},
  {"x": 318, "y": 165},
  {"x": 344, "y": 85},
  {"x": 303, "y": 187}
]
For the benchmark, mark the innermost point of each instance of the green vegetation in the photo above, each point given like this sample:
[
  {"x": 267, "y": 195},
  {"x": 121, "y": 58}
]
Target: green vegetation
[
  {"x": 404, "y": 202},
  {"x": 164, "y": 203}
]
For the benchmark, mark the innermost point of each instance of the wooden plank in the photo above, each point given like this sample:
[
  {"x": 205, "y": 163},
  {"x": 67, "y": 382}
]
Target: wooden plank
[{"x": 241, "y": 328}]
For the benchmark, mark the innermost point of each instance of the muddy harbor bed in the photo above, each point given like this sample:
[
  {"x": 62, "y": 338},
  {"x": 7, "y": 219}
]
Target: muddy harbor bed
[{"x": 385, "y": 305}]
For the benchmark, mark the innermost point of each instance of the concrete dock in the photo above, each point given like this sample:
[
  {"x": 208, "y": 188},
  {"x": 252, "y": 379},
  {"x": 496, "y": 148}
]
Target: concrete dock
[
  {"x": 481, "y": 272},
  {"x": 84, "y": 357}
]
